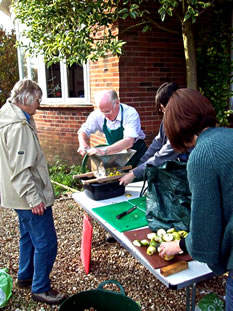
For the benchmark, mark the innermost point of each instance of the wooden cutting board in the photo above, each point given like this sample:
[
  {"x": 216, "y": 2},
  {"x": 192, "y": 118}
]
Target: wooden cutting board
[{"x": 155, "y": 260}]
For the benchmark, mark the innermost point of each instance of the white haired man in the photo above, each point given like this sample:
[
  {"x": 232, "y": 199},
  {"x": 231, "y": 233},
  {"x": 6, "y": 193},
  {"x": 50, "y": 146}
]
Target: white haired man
[{"x": 120, "y": 124}]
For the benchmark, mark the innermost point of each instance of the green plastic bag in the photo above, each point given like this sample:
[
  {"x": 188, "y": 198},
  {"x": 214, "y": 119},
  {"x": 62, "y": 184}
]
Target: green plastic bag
[
  {"x": 210, "y": 302},
  {"x": 168, "y": 196},
  {"x": 6, "y": 284}
]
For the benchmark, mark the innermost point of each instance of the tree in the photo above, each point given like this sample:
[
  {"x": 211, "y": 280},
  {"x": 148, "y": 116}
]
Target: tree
[
  {"x": 68, "y": 29},
  {"x": 9, "y": 73}
]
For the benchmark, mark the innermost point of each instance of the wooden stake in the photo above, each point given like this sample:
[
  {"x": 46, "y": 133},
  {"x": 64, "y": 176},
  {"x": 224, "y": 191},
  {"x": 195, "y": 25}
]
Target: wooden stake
[{"x": 63, "y": 186}]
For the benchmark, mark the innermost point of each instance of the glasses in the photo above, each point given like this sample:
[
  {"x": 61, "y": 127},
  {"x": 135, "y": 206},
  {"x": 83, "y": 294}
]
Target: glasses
[
  {"x": 106, "y": 113},
  {"x": 39, "y": 100}
]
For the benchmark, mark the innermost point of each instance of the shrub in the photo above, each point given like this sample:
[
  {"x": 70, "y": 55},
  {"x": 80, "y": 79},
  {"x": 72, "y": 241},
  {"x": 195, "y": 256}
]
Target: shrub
[
  {"x": 214, "y": 63},
  {"x": 9, "y": 73},
  {"x": 62, "y": 173}
]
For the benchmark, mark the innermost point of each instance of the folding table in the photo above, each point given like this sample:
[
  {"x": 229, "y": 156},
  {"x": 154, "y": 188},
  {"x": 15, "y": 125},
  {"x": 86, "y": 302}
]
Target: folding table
[{"x": 187, "y": 279}]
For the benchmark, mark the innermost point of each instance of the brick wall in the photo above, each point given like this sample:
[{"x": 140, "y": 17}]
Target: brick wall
[
  {"x": 149, "y": 60},
  {"x": 57, "y": 130}
]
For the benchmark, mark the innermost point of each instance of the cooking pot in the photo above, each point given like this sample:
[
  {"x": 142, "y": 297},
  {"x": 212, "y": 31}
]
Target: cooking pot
[{"x": 101, "y": 300}]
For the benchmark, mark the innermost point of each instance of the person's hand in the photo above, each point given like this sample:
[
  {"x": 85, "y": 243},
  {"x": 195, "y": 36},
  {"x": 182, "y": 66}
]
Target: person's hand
[
  {"x": 39, "y": 209},
  {"x": 127, "y": 179},
  {"x": 97, "y": 151},
  {"x": 83, "y": 150},
  {"x": 169, "y": 248}
]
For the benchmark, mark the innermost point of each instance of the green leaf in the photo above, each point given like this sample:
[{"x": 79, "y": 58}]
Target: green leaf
[{"x": 133, "y": 15}]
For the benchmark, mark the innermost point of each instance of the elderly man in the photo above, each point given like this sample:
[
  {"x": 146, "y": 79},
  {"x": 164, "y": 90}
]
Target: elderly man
[
  {"x": 26, "y": 188},
  {"x": 119, "y": 122}
]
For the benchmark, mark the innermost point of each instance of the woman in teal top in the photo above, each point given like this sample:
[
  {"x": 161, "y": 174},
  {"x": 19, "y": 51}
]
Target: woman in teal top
[
  {"x": 120, "y": 124},
  {"x": 190, "y": 121}
]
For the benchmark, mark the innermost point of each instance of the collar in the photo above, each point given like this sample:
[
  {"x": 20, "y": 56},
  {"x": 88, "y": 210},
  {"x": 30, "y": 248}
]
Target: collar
[
  {"x": 118, "y": 118},
  {"x": 28, "y": 117}
]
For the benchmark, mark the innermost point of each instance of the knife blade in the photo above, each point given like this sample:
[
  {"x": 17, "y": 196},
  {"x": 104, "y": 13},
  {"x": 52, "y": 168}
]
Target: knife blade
[{"x": 126, "y": 212}]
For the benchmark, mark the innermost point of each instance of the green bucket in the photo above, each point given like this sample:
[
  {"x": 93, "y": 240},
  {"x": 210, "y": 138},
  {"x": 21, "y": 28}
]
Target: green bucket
[{"x": 101, "y": 300}]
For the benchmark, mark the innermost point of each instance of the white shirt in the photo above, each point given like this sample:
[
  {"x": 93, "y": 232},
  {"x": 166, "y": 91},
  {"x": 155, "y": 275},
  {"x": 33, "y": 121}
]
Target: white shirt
[{"x": 131, "y": 123}]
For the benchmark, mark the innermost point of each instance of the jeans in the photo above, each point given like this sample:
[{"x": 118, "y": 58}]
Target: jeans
[
  {"x": 37, "y": 248},
  {"x": 229, "y": 292}
]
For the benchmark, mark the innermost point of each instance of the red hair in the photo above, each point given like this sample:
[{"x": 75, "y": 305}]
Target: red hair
[{"x": 188, "y": 112}]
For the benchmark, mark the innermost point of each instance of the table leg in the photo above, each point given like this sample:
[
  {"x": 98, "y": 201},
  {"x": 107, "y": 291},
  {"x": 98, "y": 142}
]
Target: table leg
[
  {"x": 193, "y": 297},
  {"x": 187, "y": 299}
]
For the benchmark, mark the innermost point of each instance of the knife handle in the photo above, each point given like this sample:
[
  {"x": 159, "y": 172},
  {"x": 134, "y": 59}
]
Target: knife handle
[
  {"x": 126, "y": 212},
  {"x": 121, "y": 215}
]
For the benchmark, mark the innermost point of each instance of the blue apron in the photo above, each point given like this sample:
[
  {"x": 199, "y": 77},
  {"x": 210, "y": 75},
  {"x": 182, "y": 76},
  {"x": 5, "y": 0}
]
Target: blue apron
[{"x": 112, "y": 136}]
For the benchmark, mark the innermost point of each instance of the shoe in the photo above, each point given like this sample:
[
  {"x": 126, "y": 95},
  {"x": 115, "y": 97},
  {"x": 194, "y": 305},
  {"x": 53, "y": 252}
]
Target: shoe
[
  {"x": 110, "y": 239},
  {"x": 24, "y": 283},
  {"x": 50, "y": 297}
]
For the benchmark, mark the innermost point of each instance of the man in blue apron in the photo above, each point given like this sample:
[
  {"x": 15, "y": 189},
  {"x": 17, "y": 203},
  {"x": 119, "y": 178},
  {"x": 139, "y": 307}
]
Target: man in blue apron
[{"x": 120, "y": 124}]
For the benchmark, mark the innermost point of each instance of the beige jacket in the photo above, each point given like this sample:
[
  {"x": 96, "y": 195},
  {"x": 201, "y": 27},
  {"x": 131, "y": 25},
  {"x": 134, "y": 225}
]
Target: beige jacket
[{"x": 24, "y": 177}]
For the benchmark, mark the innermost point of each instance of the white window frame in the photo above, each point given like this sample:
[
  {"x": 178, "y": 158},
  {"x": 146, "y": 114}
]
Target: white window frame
[{"x": 64, "y": 86}]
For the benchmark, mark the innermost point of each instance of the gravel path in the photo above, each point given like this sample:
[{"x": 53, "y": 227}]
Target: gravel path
[{"x": 108, "y": 261}]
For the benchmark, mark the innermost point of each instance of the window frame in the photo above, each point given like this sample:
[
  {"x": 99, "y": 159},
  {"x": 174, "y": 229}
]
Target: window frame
[{"x": 64, "y": 86}]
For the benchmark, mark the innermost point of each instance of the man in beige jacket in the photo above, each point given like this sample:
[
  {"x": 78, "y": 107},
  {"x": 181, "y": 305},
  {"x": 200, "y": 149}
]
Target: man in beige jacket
[{"x": 25, "y": 187}]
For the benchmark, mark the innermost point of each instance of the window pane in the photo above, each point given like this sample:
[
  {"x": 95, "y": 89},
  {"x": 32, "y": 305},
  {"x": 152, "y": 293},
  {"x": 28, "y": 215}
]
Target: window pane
[
  {"x": 23, "y": 63},
  {"x": 34, "y": 70},
  {"x": 53, "y": 80},
  {"x": 75, "y": 81}
]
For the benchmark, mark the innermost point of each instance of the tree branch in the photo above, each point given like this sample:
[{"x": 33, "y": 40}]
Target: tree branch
[
  {"x": 133, "y": 26},
  {"x": 160, "y": 27}
]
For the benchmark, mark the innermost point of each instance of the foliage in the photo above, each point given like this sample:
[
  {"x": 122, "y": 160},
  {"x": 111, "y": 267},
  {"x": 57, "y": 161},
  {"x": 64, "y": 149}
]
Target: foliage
[
  {"x": 63, "y": 173},
  {"x": 70, "y": 30},
  {"x": 9, "y": 73},
  {"x": 189, "y": 9},
  {"x": 215, "y": 66}
]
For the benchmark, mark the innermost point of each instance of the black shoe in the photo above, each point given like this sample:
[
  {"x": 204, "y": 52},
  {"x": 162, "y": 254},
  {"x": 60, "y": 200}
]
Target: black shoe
[
  {"x": 110, "y": 239},
  {"x": 50, "y": 297},
  {"x": 24, "y": 283}
]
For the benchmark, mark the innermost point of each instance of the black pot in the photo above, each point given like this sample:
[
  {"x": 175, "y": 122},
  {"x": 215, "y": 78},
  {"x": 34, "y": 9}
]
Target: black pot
[{"x": 104, "y": 191}]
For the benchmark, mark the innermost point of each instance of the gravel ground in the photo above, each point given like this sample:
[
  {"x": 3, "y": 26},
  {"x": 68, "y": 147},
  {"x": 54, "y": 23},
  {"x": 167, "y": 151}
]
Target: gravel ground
[{"x": 108, "y": 261}]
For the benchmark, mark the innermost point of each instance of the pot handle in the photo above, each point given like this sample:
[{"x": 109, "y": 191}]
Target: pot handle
[{"x": 122, "y": 291}]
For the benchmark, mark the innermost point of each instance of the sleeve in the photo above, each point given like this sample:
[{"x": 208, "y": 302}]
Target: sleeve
[
  {"x": 22, "y": 157},
  {"x": 155, "y": 146},
  {"x": 93, "y": 123},
  {"x": 158, "y": 153},
  {"x": 204, "y": 240},
  {"x": 182, "y": 245},
  {"x": 131, "y": 123}
]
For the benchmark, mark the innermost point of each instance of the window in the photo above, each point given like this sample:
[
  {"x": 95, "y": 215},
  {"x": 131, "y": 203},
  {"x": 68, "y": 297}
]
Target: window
[{"x": 61, "y": 84}]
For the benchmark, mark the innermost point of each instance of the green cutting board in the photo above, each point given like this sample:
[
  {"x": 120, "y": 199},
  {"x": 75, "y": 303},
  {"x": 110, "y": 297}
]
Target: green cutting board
[{"x": 135, "y": 219}]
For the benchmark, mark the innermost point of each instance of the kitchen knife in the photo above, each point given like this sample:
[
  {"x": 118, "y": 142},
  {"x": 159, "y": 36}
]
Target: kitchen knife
[{"x": 126, "y": 212}]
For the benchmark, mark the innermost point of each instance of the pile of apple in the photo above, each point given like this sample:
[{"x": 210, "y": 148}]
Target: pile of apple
[{"x": 153, "y": 240}]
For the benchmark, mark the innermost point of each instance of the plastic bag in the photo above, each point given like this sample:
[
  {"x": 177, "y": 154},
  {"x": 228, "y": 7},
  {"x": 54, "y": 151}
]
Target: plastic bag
[
  {"x": 210, "y": 302},
  {"x": 168, "y": 196},
  {"x": 6, "y": 284}
]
